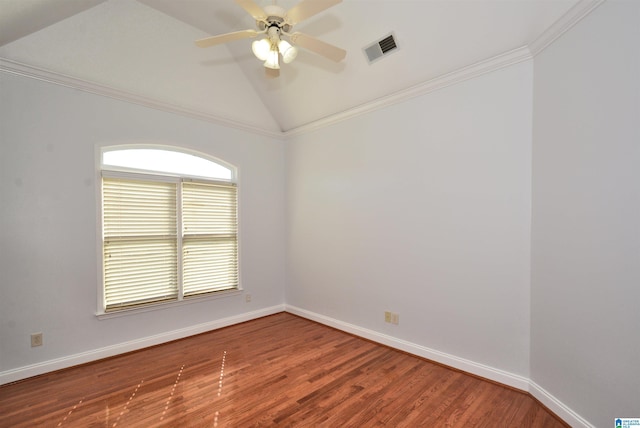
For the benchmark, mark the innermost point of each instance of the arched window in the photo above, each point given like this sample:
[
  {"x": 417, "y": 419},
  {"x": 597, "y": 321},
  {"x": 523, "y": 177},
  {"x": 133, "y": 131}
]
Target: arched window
[{"x": 169, "y": 226}]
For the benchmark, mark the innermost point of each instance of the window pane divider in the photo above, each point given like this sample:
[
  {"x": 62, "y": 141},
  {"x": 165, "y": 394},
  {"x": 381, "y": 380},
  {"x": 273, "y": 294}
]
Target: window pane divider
[
  {"x": 166, "y": 238},
  {"x": 180, "y": 229}
]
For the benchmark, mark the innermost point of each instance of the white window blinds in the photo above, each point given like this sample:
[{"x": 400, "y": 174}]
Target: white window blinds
[
  {"x": 147, "y": 260},
  {"x": 140, "y": 246},
  {"x": 210, "y": 244}
]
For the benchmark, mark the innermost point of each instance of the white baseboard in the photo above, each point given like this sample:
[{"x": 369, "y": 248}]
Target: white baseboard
[
  {"x": 558, "y": 407},
  {"x": 133, "y": 345},
  {"x": 491, "y": 373}
]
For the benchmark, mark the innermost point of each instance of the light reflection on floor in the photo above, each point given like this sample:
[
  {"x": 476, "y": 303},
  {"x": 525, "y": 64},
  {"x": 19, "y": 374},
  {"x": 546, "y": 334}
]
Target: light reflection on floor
[
  {"x": 70, "y": 411},
  {"x": 124, "y": 409},
  {"x": 173, "y": 390},
  {"x": 224, "y": 357},
  {"x": 110, "y": 408}
]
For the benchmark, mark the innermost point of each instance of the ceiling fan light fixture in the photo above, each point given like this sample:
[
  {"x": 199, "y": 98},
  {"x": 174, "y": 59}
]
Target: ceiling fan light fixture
[
  {"x": 272, "y": 22},
  {"x": 261, "y": 49},
  {"x": 288, "y": 52},
  {"x": 272, "y": 60}
]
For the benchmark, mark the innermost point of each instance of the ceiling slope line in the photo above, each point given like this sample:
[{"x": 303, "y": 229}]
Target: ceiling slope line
[
  {"x": 557, "y": 29},
  {"x": 25, "y": 70},
  {"x": 524, "y": 53},
  {"x": 498, "y": 62},
  {"x": 469, "y": 72},
  {"x": 21, "y": 18},
  {"x": 574, "y": 15}
]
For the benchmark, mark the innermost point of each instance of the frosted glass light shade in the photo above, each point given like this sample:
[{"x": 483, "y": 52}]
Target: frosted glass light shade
[
  {"x": 272, "y": 60},
  {"x": 288, "y": 52},
  {"x": 261, "y": 49}
]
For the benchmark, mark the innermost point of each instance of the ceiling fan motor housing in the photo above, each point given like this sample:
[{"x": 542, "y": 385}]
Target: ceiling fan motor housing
[
  {"x": 273, "y": 22},
  {"x": 275, "y": 18}
]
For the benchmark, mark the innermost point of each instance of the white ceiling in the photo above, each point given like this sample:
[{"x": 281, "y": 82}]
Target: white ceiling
[{"x": 143, "y": 50}]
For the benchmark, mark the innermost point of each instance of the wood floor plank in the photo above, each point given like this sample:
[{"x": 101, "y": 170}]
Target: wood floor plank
[{"x": 280, "y": 370}]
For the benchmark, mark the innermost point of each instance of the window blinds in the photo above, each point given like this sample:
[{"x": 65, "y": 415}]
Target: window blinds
[
  {"x": 140, "y": 246},
  {"x": 140, "y": 230},
  {"x": 210, "y": 244}
]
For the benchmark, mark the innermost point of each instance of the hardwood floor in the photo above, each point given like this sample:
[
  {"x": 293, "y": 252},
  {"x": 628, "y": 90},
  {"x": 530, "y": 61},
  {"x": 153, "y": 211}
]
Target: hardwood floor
[{"x": 280, "y": 370}]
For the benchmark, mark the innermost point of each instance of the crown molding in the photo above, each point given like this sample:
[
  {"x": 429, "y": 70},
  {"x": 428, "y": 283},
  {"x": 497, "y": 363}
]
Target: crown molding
[
  {"x": 486, "y": 66},
  {"x": 497, "y": 62},
  {"x": 25, "y": 70},
  {"x": 563, "y": 24},
  {"x": 524, "y": 53},
  {"x": 557, "y": 29}
]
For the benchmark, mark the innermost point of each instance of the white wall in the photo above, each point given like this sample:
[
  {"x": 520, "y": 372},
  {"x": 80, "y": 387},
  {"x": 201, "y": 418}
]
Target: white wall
[
  {"x": 423, "y": 209},
  {"x": 585, "y": 346},
  {"x": 48, "y": 282}
]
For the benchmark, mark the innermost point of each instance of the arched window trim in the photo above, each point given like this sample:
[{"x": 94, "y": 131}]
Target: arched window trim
[{"x": 105, "y": 170}]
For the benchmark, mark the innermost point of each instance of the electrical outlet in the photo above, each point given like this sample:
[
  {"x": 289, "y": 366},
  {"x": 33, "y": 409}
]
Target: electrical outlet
[
  {"x": 395, "y": 319},
  {"x": 36, "y": 339},
  {"x": 391, "y": 317},
  {"x": 247, "y": 297}
]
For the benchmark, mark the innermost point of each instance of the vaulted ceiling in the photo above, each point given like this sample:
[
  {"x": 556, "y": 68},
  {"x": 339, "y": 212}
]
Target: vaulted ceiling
[{"x": 143, "y": 51}]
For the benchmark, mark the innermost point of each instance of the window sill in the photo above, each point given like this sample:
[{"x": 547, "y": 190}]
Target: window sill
[{"x": 165, "y": 305}]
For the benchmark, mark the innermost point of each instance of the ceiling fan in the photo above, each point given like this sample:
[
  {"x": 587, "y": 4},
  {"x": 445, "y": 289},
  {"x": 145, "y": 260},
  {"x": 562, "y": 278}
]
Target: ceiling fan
[{"x": 274, "y": 22}]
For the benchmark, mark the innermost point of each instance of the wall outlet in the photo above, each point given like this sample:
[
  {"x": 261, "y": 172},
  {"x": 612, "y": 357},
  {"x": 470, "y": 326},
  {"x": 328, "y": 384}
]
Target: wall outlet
[
  {"x": 247, "y": 297},
  {"x": 395, "y": 319},
  {"x": 36, "y": 339},
  {"x": 391, "y": 318}
]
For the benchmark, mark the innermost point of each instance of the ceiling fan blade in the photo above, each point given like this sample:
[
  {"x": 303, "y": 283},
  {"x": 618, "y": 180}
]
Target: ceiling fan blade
[
  {"x": 252, "y": 9},
  {"x": 224, "y": 38},
  {"x": 334, "y": 53},
  {"x": 307, "y": 8}
]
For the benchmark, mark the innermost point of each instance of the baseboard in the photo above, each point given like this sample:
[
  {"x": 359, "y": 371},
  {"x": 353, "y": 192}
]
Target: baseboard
[
  {"x": 491, "y": 373},
  {"x": 558, "y": 407},
  {"x": 497, "y": 375},
  {"x": 133, "y": 345}
]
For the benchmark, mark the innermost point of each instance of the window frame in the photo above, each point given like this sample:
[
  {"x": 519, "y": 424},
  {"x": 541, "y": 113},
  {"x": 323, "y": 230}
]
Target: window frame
[{"x": 110, "y": 171}]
